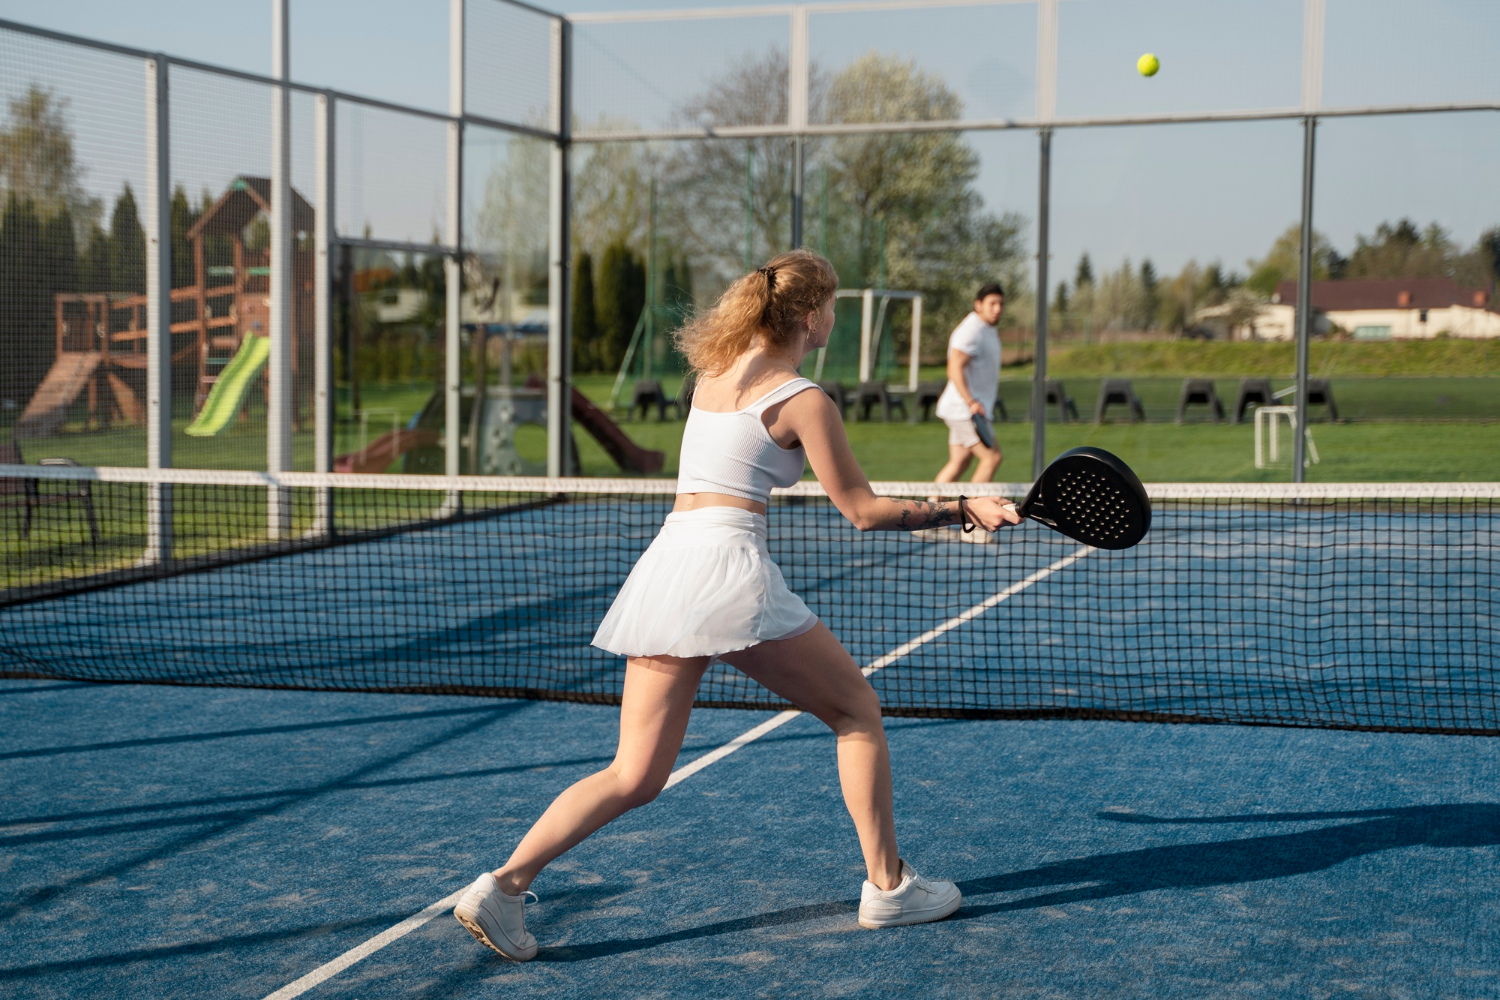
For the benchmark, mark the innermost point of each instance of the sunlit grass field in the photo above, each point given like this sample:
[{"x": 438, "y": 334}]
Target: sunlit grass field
[{"x": 1409, "y": 411}]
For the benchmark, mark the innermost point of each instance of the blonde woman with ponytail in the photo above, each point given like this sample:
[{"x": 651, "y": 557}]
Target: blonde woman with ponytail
[{"x": 707, "y": 589}]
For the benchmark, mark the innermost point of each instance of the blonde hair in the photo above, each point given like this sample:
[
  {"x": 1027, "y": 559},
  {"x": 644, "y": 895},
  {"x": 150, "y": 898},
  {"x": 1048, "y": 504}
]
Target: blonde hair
[{"x": 769, "y": 303}]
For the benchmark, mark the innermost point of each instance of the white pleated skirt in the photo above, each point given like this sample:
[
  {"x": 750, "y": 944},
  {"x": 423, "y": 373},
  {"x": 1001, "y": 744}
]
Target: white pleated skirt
[{"x": 705, "y": 586}]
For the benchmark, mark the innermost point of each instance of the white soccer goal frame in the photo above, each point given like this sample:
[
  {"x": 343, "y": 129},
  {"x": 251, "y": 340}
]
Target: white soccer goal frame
[{"x": 870, "y": 320}]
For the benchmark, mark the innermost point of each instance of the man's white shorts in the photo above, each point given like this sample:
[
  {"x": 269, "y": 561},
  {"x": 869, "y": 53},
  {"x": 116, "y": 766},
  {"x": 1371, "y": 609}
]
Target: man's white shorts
[{"x": 961, "y": 432}]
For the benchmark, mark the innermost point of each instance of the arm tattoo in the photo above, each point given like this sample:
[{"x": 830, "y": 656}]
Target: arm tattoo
[{"x": 919, "y": 514}]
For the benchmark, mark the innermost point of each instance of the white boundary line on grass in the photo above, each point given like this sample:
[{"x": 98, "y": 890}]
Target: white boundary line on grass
[{"x": 364, "y": 950}]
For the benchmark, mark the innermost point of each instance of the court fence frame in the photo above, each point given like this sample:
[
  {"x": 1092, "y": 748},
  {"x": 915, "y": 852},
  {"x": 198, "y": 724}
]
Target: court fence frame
[{"x": 558, "y": 130}]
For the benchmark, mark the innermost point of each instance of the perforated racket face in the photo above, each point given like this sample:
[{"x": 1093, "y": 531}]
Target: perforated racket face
[{"x": 1093, "y": 497}]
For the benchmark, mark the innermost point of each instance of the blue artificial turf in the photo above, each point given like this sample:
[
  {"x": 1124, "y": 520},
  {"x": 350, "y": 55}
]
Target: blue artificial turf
[{"x": 193, "y": 842}]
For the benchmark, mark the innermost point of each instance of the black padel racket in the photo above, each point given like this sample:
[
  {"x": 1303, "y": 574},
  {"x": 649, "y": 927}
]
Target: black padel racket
[
  {"x": 1092, "y": 497},
  {"x": 985, "y": 430}
]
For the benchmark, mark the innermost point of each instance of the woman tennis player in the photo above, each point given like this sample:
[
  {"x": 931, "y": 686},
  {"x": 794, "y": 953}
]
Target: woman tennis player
[{"x": 706, "y": 588}]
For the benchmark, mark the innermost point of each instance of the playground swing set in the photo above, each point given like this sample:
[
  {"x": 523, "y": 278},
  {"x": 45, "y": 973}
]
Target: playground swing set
[{"x": 101, "y": 336}]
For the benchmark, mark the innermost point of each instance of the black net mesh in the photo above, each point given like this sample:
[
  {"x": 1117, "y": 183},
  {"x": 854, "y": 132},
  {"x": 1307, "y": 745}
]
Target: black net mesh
[{"x": 1370, "y": 608}]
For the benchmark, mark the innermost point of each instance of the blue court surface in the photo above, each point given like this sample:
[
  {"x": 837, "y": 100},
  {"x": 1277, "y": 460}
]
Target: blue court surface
[{"x": 164, "y": 841}]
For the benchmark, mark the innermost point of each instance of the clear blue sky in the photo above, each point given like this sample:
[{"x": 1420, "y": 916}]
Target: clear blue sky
[{"x": 1169, "y": 193}]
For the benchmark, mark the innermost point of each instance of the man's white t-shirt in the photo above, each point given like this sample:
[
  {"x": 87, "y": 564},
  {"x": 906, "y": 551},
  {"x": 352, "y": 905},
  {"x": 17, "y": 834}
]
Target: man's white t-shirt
[{"x": 981, "y": 342}]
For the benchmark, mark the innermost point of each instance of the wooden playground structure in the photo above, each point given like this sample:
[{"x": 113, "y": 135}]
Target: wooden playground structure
[{"x": 101, "y": 336}]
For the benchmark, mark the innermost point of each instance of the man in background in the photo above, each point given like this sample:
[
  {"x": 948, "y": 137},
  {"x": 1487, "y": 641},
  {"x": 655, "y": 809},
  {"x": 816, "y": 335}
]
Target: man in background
[{"x": 973, "y": 381}]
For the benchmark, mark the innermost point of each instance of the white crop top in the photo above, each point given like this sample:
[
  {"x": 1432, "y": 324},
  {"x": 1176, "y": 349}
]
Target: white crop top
[{"x": 733, "y": 452}]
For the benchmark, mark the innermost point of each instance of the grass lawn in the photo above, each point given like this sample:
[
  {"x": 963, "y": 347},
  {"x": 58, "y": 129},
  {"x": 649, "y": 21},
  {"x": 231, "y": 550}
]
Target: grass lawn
[
  {"x": 1387, "y": 452},
  {"x": 1361, "y": 450}
]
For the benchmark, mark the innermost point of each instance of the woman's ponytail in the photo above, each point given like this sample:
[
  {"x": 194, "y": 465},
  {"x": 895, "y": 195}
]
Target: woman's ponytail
[{"x": 768, "y": 303}]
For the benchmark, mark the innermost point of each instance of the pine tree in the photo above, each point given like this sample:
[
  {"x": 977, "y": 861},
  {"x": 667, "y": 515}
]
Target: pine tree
[
  {"x": 585, "y": 316},
  {"x": 127, "y": 265},
  {"x": 183, "y": 218},
  {"x": 1150, "y": 300},
  {"x": 25, "y": 317},
  {"x": 619, "y": 299},
  {"x": 58, "y": 266},
  {"x": 93, "y": 265},
  {"x": 1085, "y": 274}
]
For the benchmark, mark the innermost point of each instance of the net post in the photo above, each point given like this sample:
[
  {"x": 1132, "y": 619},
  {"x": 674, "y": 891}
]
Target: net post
[
  {"x": 1039, "y": 372},
  {"x": 1304, "y": 299},
  {"x": 453, "y": 264},
  {"x": 281, "y": 393},
  {"x": 559, "y": 212},
  {"x": 158, "y": 227},
  {"x": 323, "y": 231}
]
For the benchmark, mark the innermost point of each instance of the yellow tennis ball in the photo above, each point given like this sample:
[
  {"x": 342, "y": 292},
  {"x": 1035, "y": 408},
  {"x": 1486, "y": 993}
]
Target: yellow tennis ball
[{"x": 1148, "y": 64}]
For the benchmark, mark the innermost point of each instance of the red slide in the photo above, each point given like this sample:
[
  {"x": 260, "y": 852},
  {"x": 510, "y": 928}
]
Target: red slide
[
  {"x": 380, "y": 453},
  {"x": 628, "y": 455}
]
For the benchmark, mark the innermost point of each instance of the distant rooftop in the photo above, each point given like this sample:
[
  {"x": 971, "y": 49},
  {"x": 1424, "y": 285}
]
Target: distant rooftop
[{"x": 1386, "y": 293}]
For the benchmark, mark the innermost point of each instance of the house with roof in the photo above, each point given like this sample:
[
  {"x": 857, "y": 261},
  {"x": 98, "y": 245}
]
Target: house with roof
[{"x": 1378, "y": 309}]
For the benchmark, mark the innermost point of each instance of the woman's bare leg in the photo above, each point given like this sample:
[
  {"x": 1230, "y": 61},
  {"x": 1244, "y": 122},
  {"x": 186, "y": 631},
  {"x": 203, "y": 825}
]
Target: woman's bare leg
[
  {"x": 654, "y": 711},
  {"x": 816, "y": 673}
]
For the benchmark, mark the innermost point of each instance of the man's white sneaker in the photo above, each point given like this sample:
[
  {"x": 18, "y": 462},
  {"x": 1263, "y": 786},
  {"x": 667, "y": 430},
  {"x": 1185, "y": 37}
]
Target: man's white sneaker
[
  {"x": 495, "y": 919},
  {"x": 915, "y": 901}
]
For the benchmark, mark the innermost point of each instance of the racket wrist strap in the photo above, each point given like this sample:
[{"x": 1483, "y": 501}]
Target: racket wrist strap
[{"x": 963, "y": 515}]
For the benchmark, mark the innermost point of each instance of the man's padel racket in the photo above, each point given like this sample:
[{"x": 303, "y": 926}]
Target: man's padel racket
[
  {"x": 985, "y": 430},
  {"x": 1092, "y": 497}
]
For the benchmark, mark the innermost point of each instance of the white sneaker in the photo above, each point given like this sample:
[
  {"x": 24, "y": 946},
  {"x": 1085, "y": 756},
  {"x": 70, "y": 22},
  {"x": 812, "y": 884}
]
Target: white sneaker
[
  {"x": 915, "y": 901},
  {"x": 495, "y": 919}
]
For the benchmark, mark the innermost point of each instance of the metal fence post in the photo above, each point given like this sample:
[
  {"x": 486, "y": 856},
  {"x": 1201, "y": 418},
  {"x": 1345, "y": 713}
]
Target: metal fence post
[
  {"x": 453, "y": 265},
  {"x": 559, "y": 252},
  {"x": 797, "y": 110},
  {"x": 1304, "y": 298},
  {"x": 1039, "y": 373},
  {"x": 158, "y": 227},
  {"x": 323, "y": 228},
  {"x": 282, "y": 394}
]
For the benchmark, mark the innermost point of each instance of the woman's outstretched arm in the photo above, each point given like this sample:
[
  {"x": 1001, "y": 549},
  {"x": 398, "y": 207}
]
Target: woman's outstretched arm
[{"x": 811, "y": 417}]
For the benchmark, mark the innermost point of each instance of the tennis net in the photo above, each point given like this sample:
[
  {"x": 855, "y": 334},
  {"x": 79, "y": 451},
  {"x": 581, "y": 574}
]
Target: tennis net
[{"x": 1353, "y": 606}]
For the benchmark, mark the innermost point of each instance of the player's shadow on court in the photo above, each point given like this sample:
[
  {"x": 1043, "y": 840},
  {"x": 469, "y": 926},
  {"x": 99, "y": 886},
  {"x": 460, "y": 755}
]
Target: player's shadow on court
[
  {"x": 1250, "y": 859},
  {"x": 1180, "y": 866}
]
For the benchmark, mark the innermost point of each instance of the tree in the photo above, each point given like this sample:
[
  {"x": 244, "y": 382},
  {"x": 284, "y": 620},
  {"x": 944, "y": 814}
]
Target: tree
[
  {"x": 1150, "y": 301},
  {"x": 899, "y": 207},
  {"x": 713, "y": 188},
  {"x": 907, "y": 204},
  {"x": 37, "y": 162},
  {"x": 25, "y": 316},
  {"x": 512, "y": 231},
  {"x": 183, "y": 218},
  {"x": 1085, "y": 274},
  {"x": 585, "y": 315},
  {"x": 619, "y": 298},
  {"x": 127, "y": 241},
  {"x": 93, "y": 265},
  {"x": 1280, "y": 263},
  {"x": 1403, "y": 251}
]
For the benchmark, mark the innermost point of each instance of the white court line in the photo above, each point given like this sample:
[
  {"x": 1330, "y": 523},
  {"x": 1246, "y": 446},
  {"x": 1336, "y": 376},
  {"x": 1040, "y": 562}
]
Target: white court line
[
  {"x": 370, "y": 947},
  {"x": 416, "y": 920}
]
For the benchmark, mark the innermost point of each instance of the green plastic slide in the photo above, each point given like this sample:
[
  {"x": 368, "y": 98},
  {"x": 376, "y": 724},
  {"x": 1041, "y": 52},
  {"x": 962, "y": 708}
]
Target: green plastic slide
[{"x": 224, "y": 399}]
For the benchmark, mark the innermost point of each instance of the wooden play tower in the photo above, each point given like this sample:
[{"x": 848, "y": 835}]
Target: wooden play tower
[{"x": 101, "y": 336}]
